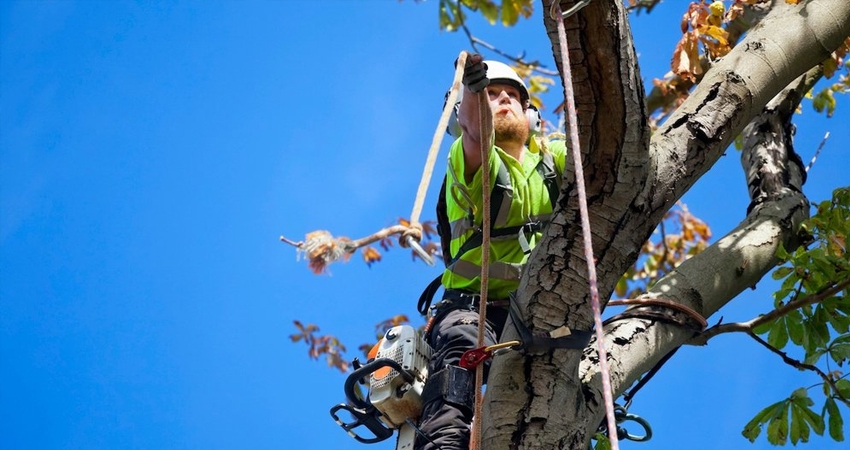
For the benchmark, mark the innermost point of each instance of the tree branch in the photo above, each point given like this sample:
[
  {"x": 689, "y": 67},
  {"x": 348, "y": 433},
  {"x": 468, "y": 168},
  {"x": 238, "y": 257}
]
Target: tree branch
[
  {"x": 748, "y": 326},
  {"x": 801, "y": 366}
]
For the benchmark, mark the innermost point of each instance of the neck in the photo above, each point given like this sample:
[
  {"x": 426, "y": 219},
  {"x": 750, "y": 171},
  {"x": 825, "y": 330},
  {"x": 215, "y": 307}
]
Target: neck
[{"x": 514, "y": 149}]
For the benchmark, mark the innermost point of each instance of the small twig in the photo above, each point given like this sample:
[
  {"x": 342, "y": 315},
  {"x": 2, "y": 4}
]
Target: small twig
[
  {"x": 381, "y": 234},
  {"x": 535, "y": 66},
  {"x": 801, "y": 366},
  {"x": 291, "y": 242},
  {"x": 351, "y": 245},
  {"x": 663, "y": 231},
  {"x": 817, "y": 152},
  {"x": 647, "y": 4},
  {"x": 749, "y": 325}
]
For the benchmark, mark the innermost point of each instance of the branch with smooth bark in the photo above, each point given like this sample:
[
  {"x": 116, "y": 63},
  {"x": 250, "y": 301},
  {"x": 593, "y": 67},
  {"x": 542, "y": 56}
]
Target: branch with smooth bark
[{"x": 750, "y": 325}]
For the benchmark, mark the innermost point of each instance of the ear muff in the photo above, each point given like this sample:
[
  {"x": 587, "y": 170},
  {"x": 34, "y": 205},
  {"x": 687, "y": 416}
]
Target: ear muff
[
  {"x": 453, "y": 128},
  {"x": 532, "y": 114},
  {"x": 535, "y": 122}
]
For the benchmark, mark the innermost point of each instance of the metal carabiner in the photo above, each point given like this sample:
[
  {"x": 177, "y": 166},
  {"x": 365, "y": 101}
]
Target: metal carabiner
[
  {"x": 622, "y": 433},
  {"x": 420, "y": 251},
  {"x": 564, "y": 14}
]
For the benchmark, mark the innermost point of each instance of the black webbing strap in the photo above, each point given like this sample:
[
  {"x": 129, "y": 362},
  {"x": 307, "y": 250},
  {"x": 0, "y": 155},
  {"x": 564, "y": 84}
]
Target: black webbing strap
[
  {"x": 531, "y": 343},
  {"x": 628, "y": 396},
  {"x": 428, "y": 295},
  {"x": 453, "y": 384},
  {"x": 546, "y": 169}
]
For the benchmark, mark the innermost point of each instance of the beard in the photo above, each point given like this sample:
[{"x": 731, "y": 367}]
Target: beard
[{"x": 509, "y": 128}]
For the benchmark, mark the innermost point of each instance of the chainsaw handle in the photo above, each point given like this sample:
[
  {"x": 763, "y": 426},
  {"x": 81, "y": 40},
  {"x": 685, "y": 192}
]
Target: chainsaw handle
[
  {"x": 366, "y": 370},
  {"x": 362, "y": 418}
]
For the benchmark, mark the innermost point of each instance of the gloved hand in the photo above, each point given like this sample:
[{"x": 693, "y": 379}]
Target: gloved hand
[{"x": 475, "y": 73}]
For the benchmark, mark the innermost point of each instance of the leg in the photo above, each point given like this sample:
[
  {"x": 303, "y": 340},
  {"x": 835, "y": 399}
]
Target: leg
[{"x": 447, "y": 422}]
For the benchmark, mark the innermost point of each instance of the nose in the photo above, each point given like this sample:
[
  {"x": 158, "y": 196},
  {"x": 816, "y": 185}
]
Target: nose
[{"x": 503, "y": 97}]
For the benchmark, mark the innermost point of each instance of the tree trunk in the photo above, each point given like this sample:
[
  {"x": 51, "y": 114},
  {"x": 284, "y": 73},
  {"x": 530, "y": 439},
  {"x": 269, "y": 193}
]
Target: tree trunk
[{"x": 553, "y": 399}]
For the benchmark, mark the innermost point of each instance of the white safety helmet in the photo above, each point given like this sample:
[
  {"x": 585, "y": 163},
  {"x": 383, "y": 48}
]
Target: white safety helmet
[{"x": 499, "y": 72}]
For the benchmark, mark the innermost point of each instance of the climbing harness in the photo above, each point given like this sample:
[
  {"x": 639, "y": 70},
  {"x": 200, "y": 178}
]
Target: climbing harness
[{"x": 502, "y": 188}]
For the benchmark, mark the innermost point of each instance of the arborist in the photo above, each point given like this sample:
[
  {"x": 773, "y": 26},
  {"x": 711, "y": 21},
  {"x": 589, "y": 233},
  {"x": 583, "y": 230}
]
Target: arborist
[{"x": 525, "y": 172}]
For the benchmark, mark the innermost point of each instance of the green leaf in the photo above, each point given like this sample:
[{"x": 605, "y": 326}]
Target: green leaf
[
  {"x": 489, "y": 10},
  {"x": 602, "y": 442},
  {"x": 843, "y": 386},
  {"x": 777, "y": 429},
  {"x": 782, "y": 272},
  {"x": 837, "y": 318},
  {"x": 764, "y": 328},
  {"x": 813, "y": 356},
  {"x": 753, "y": 428},
  {"x": 778, "y": 336},
  {"x": 796, "y": 330},
  {"x": 781, "y": 253},
  {"x": 814, "y": 420},
  {"x": 820, "y": 324},
  {"x": 796, "y": 427},
  {"x": 839, "y": 349},
  {"x": 836, "y": 423},
  {"x": 510, "y": 12}
]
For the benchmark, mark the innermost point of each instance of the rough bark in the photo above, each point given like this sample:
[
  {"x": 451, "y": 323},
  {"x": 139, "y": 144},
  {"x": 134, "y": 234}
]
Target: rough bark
[{"x": 553, "y": 399}]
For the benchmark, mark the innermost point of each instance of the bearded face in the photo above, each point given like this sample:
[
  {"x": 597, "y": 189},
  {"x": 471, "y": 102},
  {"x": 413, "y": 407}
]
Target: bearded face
[{"x": 510, "y": 128}]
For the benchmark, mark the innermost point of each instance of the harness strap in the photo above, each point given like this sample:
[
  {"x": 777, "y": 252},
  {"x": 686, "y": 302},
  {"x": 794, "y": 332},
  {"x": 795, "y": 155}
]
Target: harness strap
[
  {"x": 476, "y": 239},
  {"x": 531, "y": 343},
  {"x": 427, "y": 295},
  {"x": 547, "y": 171}
]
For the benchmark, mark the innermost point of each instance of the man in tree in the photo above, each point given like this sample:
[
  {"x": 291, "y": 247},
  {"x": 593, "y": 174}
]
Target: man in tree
[{"x": 525, "y": 172}]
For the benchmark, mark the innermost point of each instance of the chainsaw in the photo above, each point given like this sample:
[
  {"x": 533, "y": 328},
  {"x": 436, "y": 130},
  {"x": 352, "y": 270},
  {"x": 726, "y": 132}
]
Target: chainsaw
[{"x": 395, "y": 375}]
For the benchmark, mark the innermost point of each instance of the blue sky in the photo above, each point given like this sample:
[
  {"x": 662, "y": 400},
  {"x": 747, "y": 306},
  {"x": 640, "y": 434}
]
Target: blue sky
[{"x": 151, "y": 154}]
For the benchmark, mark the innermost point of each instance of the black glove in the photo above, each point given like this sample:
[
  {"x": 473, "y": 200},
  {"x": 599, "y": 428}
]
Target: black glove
[{"x": 475, "y": 73}]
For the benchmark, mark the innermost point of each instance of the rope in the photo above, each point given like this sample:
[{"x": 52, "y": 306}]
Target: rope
[
  {"x": 437, "y": 140},
  {"x": 485, "y": 118},
  {"x": 585, "y": 224},
  {"x": 690, "y": 312}
]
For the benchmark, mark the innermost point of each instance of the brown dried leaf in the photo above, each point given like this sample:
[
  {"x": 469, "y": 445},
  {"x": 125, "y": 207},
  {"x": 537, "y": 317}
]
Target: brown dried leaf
[
  {"x": 685, "y": 61},
  {"x": 370, "y": 255}
]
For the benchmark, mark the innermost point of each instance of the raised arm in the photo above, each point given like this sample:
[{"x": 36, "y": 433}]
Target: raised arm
[{"x": 474, "y": 81}]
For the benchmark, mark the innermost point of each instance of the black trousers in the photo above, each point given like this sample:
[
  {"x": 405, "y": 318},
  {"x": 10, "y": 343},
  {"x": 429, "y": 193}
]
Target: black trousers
[{"x": 448, "y": 425}]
